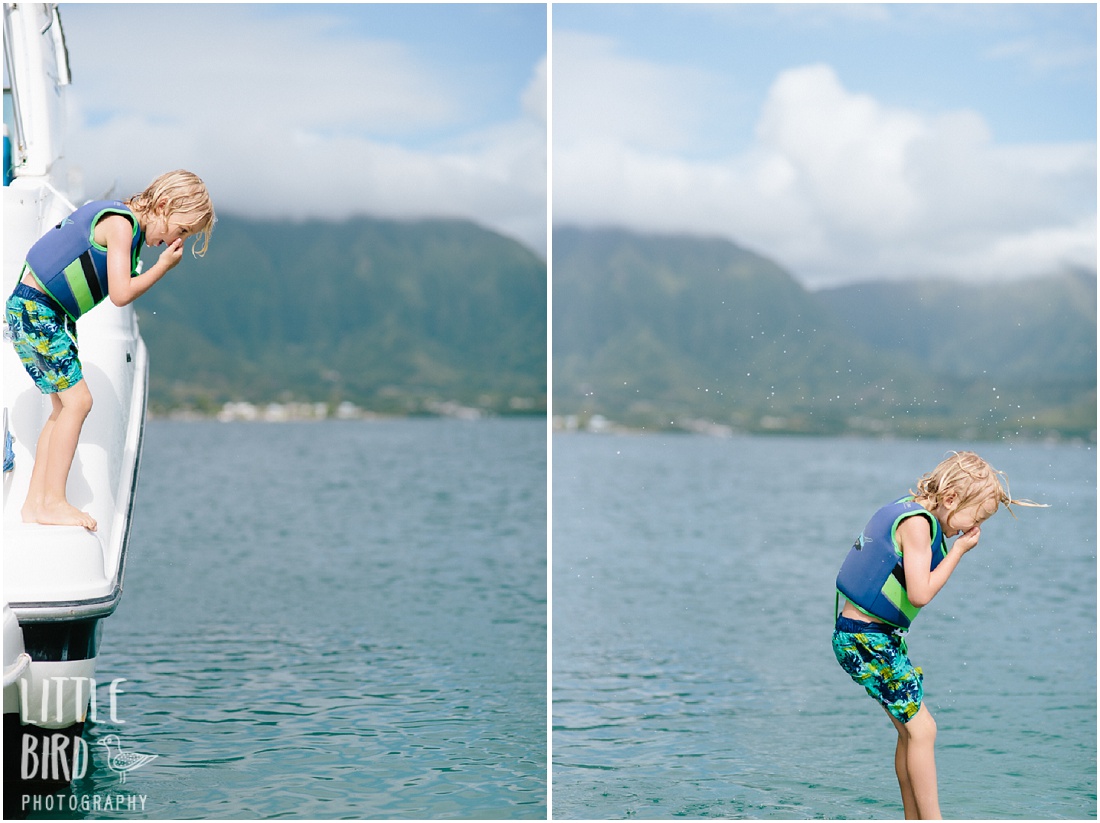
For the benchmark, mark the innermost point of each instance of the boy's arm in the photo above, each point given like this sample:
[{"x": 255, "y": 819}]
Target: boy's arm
[
  {"x": 915, "y": 536},
  {"x": 122, "y": 288}
]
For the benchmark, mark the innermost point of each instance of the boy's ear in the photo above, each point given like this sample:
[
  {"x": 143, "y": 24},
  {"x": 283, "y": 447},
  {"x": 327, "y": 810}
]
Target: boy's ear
[{"x": 950, "y": 500}]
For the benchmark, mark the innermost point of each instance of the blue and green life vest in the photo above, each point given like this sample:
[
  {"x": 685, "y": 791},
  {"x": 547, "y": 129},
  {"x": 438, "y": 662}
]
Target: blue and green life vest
[
  {"x": 872, "y": 577},
  {"x": 70, "y": 266}
]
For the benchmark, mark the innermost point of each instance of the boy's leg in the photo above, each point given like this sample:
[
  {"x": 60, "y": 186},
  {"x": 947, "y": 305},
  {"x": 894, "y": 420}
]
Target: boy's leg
[
  {"x": 901, "y": 768},
  {"x": 920, "y": 763},
  {"x": 47, "y": 502},
  {"x": 37, "y": 487},
  {"x": 881, "y": 666}
]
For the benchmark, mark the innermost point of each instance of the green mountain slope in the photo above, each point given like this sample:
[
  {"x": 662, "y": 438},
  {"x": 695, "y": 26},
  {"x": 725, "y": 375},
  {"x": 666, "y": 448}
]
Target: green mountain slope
[
  {"x": 386, "y": 314},
  {"x": 1020, "y": 330},
  {"x": 651, "y": 329}
]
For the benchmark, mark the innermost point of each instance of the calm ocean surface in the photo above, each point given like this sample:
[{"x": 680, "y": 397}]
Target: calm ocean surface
[
  {"x": 692, "y": 618},
  {"x": 332, "y": 620}
]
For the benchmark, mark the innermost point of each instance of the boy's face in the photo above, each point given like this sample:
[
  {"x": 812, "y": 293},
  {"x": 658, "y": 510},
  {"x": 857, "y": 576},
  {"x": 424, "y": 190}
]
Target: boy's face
[
  {"x": 166, "y": 231},
  {"x": 974, "y": 513}
]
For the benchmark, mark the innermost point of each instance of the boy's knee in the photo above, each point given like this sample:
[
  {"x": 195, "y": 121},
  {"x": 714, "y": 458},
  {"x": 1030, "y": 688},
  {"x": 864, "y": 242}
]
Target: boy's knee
[
  {"x": 78, "y": 399},
  {"x": 83, "y": 404},
  {"x": 922, "y": 726}
]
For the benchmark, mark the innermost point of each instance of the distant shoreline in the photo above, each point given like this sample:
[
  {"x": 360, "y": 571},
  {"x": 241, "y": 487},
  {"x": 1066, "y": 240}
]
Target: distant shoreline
[
  {"x": 243, "y": 411},
  {"x": 775, "y": 427}
]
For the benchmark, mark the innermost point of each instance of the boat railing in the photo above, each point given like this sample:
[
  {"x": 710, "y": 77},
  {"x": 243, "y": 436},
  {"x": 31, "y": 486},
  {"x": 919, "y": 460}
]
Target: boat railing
[
  {"x": 11, "y": 101},
  {"x": 27, "y": 93}
]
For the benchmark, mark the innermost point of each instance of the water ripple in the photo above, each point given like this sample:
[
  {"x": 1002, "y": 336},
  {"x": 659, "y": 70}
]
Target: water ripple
[{"x": 316, "y": 665}]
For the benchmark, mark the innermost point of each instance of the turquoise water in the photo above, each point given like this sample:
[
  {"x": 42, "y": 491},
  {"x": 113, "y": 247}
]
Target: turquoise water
[
  {"x": 331, "y": 620},
  {"x": 692, "y": 615}
]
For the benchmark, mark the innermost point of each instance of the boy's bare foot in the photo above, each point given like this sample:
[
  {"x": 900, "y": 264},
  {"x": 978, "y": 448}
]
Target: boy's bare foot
[{"x": 61, "y": 513}]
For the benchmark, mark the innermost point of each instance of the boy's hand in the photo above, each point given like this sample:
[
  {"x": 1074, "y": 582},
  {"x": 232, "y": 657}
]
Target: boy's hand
[
  {"x": 967, "y": 540},
  {"x": 172, "y": 255}
]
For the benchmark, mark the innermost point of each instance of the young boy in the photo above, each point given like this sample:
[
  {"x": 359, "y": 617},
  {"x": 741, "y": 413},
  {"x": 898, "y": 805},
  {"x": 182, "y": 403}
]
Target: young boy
[
  {"x": 898, "y": 564},
  {"x": 89, "y": 256}
]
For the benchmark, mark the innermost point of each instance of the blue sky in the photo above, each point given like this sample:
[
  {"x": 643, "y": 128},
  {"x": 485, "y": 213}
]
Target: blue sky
[
  {"x": 402, "y": 110},
  {"x": 846, "y": 141}
]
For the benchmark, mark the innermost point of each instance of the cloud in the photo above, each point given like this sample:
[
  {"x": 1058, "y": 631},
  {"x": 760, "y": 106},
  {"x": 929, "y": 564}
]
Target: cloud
[
  {"x": 1050, "y": 54},
  {"x": 534, "y": 96},
  {"x": 835, "y": 184},
  {"x": 611, "y": 97},
  {"x": 301, "y": 118}
]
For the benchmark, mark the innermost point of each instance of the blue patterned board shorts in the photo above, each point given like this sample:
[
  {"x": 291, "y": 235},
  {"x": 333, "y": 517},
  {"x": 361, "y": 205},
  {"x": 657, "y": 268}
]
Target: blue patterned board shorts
[
  {"x": 45, "y": 339},
  {"x": 876, "y": 659}
]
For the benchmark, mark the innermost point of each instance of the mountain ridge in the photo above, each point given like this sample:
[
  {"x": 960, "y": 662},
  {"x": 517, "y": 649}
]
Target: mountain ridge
[
  {"x": 648, "y": 328},
  {"x": 391, "y": 315}
]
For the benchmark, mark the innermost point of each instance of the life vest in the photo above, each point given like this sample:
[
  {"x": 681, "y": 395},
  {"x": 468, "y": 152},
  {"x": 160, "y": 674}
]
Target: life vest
[
  {"x": 872, "y": 577},
  {"x": 70, "y": 266}
]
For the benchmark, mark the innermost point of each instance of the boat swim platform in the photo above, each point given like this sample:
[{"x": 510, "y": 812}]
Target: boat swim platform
[{"x": 47, "y": 567}]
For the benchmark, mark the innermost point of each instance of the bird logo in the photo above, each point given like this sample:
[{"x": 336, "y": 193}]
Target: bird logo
[{"x": 122, "y": 762}]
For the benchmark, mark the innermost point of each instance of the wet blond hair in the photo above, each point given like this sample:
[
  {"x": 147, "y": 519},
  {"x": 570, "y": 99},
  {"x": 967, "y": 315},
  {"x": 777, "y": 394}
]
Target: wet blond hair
[
  {"x": 971, "y": 479},
  {"x": 181, "y": 192}
]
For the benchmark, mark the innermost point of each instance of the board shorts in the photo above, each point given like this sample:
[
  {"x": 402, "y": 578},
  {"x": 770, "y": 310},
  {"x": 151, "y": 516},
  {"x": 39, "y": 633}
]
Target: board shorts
[
  {"x": 876, "y": 659},
  {"x": 45, "y": 339}
]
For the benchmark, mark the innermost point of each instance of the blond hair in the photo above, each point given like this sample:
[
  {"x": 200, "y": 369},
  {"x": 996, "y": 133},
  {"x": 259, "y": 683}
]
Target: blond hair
[
  {"x": 971, "y": 479},
  {"x": 180, "y": 192}
]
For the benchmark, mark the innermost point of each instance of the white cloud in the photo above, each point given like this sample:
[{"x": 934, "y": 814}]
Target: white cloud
[
  {"x": 534, "y": 96},
  {"x": 1049, "y": 54},
  {"x": 846, "y": 153},
  {"x": 300, "y": 69},
  {"x": 612, "y": 97},
  {"x": 289, "y": 116},
  {"x": 836, "y": 185}
]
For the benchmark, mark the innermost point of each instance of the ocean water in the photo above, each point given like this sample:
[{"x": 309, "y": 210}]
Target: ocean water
[
  {"x": 330, "y": 620},
  {"x": 693, "y": 598}
]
